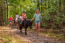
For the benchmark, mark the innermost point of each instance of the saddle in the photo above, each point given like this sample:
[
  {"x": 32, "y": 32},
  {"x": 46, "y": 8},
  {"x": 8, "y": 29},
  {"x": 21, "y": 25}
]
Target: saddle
[{"x": 22, "y": 21}]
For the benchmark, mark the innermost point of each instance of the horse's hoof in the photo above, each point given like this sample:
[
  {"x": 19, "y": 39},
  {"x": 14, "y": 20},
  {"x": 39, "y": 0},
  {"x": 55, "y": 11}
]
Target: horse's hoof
[
  {"x": 37, "y": 35},
  {"x": 25, "y": 33},
  {"x": 21, "y": 31}
]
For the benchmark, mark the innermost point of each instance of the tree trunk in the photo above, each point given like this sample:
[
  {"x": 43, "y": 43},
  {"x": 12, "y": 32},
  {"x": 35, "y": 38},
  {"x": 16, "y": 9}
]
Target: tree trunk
[
  {"x": 1, "y": 14},
  {"x": 7, "y": 9},
  {"x": 38, "y": 4},
  {"x": 48, "y": 3},
  {"x": 59, "y": 6},
  {"x": 64, "y": 7},
  {"x": 45, "y": 3},
  {"x": 41, "y": 5}
]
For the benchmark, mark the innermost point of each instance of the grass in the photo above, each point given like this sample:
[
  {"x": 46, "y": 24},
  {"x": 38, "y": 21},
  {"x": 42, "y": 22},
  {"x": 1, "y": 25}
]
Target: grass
[
  {"x": 10, "y": 40},
  {"x": 9, "y": 37},
  {"x": 4, "y": 28},
  {"x": 53, "y": 35}
]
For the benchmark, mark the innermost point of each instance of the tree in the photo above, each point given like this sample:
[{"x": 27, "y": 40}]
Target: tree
[
  {"x": 41, "y": 5},
  {"x": 59, "y": 6},
  {"x": 7, "y": 9},
  {"x": 1, "y": 12},
  {"x": 64, "y": 6},
  {"x": 38, "y": 4}
]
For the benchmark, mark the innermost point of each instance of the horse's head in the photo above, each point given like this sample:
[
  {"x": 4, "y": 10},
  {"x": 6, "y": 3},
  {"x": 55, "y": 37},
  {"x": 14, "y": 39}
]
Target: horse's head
[{"x": 30, "y": 23}]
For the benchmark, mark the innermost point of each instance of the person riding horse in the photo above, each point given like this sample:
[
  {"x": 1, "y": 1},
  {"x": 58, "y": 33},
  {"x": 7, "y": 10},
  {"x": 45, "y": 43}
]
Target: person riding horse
[
  {"x": 10, "y": 21},
  {"x": 22, "y": 17},
  {"x": 16, "y": 20},
  {"x": 25, "y": 23}
]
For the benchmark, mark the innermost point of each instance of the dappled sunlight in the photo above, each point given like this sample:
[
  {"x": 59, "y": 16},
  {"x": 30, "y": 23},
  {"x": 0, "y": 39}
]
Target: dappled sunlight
[
  {"x": 14, "y": 36},
  {"x": 4, "y": 28},
  {"x": 47, "y": 14},
  {"x": 9, "y": 36}
]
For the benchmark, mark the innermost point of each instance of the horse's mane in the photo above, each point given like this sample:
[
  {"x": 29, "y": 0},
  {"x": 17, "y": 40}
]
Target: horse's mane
[{"x": 28, "y": 19}]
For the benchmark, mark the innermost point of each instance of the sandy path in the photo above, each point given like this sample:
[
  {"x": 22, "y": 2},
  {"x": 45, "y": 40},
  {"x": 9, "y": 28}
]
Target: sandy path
[{"x": 32, "y": 37}]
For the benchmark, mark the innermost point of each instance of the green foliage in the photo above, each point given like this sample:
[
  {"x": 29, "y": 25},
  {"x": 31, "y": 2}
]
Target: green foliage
[
  {"x": 20, "y": 6},
  {"x": 52, "y": 11}
]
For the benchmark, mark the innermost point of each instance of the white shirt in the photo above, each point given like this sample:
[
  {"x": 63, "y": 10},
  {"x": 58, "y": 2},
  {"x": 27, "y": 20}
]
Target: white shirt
[
  {"x": 17, "y": 16},
  {"x": 20, "y": 17}
]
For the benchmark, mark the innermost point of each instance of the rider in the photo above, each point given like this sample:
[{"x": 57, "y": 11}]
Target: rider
[
  {"x": 20, "y": 19},
  {"x": 17, "y": 17},
  {"x": 24, "y": 15},
  {"x": 10, "y": 20}
]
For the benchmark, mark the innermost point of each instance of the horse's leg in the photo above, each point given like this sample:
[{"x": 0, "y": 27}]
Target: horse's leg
[
  {"x": 20, "y": 28},
  {"x": 25, "y": 30},
  {"x": 10, "y": 24},
  {"x": 16, "y": 25}
]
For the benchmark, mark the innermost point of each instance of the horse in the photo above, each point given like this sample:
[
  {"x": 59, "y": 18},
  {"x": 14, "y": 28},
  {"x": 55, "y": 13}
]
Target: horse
[
  {"x": 10, "y": 23},
  {"x": 16, "y": 22},
  {"x": 25, "y": 23}
]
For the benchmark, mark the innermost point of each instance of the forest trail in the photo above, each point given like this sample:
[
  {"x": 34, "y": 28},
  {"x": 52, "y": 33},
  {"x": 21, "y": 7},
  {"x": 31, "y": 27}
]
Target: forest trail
[{"x": 30, "y": 38}]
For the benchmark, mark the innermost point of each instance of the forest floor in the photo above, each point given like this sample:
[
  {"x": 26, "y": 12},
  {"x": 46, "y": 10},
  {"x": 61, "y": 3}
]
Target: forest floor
[{"x": 8, "y": 35}]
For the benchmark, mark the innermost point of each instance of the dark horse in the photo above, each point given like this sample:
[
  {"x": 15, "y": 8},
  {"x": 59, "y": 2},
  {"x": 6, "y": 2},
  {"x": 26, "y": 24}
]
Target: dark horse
[{"x": 25, "y": 23}]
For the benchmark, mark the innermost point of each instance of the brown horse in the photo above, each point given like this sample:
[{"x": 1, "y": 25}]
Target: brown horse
[
  {"x": 25, "y": 23},
  {"x": 16, "y": 22}
]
